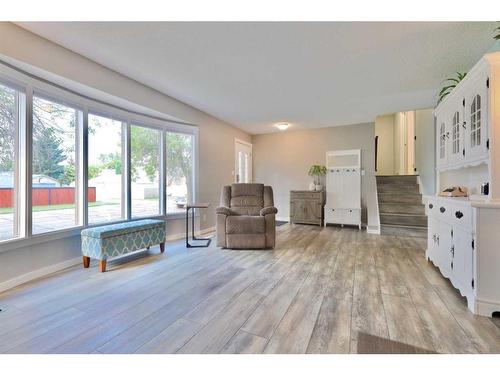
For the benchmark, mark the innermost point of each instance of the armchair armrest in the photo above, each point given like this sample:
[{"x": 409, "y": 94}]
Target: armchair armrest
[
  {"x": 268, "y": 210},
  {"x": 225, "y": 211}
]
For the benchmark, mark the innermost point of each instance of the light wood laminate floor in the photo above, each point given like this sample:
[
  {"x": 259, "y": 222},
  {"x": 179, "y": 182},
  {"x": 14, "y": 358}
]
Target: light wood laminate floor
[{"x": 319, "y": 291}]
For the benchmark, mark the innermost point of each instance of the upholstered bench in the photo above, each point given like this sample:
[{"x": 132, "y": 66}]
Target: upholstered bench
[{"x": 112, "y": 240}]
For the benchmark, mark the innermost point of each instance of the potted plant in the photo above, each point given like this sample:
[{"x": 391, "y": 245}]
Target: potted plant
[{"x": 317, "y": 171}]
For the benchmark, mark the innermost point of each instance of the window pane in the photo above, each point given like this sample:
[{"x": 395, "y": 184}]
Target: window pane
[
  {"x": 179, "y": 171},
  {"x": 145, "y": 171},
  {"x": 54, "y": 165},
  {"x": 9, "y": 127},
  {"x": 105, "y": 170}
]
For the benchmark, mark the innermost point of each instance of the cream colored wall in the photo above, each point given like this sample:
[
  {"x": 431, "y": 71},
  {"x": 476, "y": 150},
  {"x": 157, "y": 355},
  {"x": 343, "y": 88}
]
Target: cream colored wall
[
  {"x": 425, "y": 149},
  {"x": 384, "y": 129},
  {"x": 283, "y": 159},
  {"x": 216, "y": 138}
]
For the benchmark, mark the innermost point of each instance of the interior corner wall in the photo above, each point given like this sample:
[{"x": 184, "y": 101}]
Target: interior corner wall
[
  {"x": 384, "y": 129},
  {"x": 216, "y": 138},
  {"x": 282, "y": 160},
  {"x": 425, "y": 149}
]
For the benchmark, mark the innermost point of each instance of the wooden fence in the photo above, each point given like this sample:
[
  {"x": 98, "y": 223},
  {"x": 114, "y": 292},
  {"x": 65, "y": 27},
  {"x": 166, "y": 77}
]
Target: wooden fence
[{"x": 46, "y": 196}]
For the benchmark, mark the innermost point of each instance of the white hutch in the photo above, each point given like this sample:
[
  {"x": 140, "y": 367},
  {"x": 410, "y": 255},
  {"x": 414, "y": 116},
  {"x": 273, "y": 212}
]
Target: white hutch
[
  {"x": 464, "y": 233},
  {"x": 343, "y": 187}
]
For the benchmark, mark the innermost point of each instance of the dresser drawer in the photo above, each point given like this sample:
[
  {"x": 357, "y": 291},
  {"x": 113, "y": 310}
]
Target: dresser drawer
[{"x": 305, "y": 195}]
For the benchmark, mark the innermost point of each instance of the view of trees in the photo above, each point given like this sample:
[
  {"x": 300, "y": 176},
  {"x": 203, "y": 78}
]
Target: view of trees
[
  {"x": 54, "y": 146},
  {"x": 7, "y": 128},
  {"x": 53, "y": 140}
]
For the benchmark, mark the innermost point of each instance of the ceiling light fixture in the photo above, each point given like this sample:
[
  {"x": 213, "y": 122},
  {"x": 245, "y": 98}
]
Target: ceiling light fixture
[{"x": 282, "y": 126}]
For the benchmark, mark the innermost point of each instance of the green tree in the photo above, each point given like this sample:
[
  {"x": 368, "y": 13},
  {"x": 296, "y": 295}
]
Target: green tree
[
  {"x": 52, "y": 154},
  {"x": 48, "y": 154},
  {"x": 145, "y": 154},
  {"x": 180, "y": 159},
  {"x": 7, "y": 128},
  {"x": 111, "y": 161}
]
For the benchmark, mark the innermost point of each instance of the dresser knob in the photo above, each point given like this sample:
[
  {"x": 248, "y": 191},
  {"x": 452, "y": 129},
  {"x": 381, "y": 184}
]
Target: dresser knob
[
  {"x": 431, "y": 206},
  {"x": 459, "y": 214},
  {"x": 442, "y": 209}
]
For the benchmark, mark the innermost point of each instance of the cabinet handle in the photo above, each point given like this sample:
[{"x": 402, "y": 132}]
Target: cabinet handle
[
  {"x": 464, "y": 125},
  {"x": 459, "y": 214},
  {"x": 447, "y": 135},
  {"x": 442, "y": 209},
  {"x": 431, "y": 206},
  {"x": 437, "y": 240},
  {"x": 452, "y": 251}
]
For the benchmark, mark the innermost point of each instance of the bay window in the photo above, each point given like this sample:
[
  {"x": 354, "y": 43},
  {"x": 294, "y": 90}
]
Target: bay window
[
  {"x": 179, "y": 171},
  {"x": 67, "y": 161},
  {"x": 54, "y": 171},
  {"x": 11, "y": 123},
  {"x": 145, "y": 159},
  {"x": 105, "y": 170}
]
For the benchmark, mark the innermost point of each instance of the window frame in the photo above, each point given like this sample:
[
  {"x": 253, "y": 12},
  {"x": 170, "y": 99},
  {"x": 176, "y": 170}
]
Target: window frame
[
  {"x": 80, "y": 208},
  {"x": 19, "y": 205},
  {"x": 30, "y": 86},
  {"x": 124, "y": 187}
]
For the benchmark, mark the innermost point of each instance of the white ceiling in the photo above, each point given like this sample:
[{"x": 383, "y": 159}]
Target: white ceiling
[{"x": 312, "y": 75}]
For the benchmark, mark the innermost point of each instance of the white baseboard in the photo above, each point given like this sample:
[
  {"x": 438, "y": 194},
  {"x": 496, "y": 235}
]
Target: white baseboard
[
  {"x": 178, "y": 236},
  {"x": 18, "y": 280},
  {"x": 373, "y": 229}
]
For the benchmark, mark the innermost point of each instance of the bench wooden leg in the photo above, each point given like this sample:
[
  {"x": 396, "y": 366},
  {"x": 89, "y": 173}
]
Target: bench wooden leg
[
  {"x": 162, "y": 247},
  {"x": 86, "y": 262},
  {"x": 102, "y": 265}
]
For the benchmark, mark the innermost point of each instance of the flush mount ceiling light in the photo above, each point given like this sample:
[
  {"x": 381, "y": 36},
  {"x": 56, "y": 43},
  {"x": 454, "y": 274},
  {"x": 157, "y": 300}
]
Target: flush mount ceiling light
[{"x": 282, "y": 125}]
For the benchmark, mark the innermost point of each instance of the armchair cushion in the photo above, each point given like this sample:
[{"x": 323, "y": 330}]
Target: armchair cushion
[
  {"x": 268, "y": 210},
  {"x": 225, "y": 211},
  {"x": 245, "y": 224}
]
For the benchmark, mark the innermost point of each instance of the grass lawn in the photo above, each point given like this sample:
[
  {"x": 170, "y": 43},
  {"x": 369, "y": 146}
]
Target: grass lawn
[{"x": 58, "y": 207}]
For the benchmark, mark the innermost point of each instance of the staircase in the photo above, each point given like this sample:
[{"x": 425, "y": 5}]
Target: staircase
[{"x": 400, "y": 206}]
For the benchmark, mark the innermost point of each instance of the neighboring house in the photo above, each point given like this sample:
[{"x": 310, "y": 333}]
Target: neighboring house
[{"x": 39, "y": 181}]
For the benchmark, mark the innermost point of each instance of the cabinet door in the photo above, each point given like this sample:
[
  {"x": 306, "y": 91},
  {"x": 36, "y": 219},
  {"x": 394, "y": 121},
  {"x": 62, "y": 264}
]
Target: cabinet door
[
  {"x": 476, "y": 112},
  {"x": 444, "y": 241},
  {"x": 441, "y": 142},
  {"x": 312, "y": 209},
  {"x": 432, "y": 229},
  {"x": 297, "y": 210},
  {"x": 456, "y": 140},
  {"x": 462, "y": 257}
]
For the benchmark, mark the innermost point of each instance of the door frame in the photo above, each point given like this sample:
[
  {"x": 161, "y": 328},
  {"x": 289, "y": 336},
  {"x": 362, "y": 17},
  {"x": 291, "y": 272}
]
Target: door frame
[{"x": 244, "y": 143}]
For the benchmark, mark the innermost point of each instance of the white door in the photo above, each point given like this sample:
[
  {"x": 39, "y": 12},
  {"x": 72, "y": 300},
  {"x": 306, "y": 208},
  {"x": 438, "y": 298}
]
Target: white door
[
  {"x": 243, "y": 161},
  {"x": 410, "y": 143}
]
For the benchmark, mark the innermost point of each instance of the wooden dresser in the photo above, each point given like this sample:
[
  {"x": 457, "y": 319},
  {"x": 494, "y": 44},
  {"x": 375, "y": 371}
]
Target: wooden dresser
[{"x": 306, "y": 207}]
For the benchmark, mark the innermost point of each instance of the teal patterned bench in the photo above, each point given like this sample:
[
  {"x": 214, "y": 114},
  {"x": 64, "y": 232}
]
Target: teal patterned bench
[{"x": 112, "y": 240}]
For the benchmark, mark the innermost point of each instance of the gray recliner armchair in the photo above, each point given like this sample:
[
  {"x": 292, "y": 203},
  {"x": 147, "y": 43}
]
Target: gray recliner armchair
[{"x": 246, "y": 217}]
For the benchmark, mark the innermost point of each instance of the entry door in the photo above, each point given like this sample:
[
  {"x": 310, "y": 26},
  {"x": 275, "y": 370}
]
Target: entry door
[{"x": 243, "y": 161}]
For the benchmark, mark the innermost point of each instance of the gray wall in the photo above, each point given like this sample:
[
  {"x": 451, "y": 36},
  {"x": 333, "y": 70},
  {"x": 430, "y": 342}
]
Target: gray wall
[
  {"x": 216, "y": 138},
  {"x": 283, "y": 159},
  {"x": 425, "y": 149}
]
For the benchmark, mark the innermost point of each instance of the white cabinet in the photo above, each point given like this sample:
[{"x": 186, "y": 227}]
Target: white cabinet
[
  {"x": 441, "y": 141},
  {"x": 462, "y": 259},
  {"x": 343, "y": 187},
  {"x": 462, "y": 241},
  {"x": 462, "y": 119},
  {"x": 476, "y": 119},
  {"x": 463, "y": 238}
]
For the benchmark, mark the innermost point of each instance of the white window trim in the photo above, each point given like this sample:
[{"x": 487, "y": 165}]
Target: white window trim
[{"x": 28, "y": 84}]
